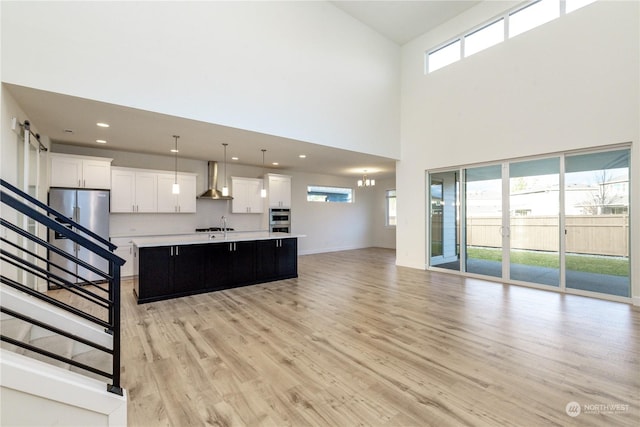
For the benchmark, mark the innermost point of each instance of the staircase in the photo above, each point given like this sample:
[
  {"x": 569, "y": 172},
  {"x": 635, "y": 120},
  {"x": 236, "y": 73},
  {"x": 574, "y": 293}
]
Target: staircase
[{"x": 60, "y": 353}]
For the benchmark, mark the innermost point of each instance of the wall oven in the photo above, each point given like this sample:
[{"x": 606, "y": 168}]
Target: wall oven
[{"x": 280, "y": 220}]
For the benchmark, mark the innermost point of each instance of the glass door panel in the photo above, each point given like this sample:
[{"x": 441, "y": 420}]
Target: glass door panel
[
  {"x": 597, "y": 222},
  {"x": 483, "y": 220},
  {"x": 534, "y": 219},
  {"x": 437, "y": 205},
  {"x": 444, "y": 226}
]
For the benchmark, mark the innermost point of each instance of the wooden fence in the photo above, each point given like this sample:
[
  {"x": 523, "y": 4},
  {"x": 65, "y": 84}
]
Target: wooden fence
[{"x": 600, "y": 235}]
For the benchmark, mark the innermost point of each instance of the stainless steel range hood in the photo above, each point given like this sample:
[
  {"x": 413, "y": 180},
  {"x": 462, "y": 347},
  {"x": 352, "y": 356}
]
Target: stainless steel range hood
[{"x": 212, "y": 192}]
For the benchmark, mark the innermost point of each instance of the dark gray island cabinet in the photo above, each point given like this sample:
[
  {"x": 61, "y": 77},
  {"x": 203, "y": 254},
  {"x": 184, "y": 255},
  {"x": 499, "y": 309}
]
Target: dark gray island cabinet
[{"x": 176, "y": 270}]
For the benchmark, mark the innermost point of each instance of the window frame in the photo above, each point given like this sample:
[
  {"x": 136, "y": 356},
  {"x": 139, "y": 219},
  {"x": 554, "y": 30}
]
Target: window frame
[
  {"x": 439, "y": 49},
  {"x": 483, "y": 27},
  {"x": 350, "y": 192},
  {"x": 506, "y": 15},
  {"x": 387, "y": 199},
  {"x": 529, "y": 6}
]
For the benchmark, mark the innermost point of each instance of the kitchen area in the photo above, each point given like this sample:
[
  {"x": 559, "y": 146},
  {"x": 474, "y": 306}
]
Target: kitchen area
[
  {"x": 137, "y": 146},
  {"x": 201, "y": 240},
  {"x": 328, "y": 226},
  {"x": 212, "y": 255},
  {"x": 135, "y": 165}
]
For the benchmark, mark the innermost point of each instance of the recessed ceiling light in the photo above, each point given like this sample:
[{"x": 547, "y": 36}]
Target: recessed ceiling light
[
  {"x": 275, "y": 163},
  {"x": 101, "y": 141},
  {"x": 173, "y": 150},
  {"x": 234, "y": 158},
  {"x": 102, "y": 125},
  {"x": 303, "y": 156}
]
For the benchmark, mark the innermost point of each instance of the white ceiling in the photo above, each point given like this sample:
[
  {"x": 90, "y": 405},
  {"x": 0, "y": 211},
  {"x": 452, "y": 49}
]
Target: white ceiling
[
  {"x": 402, "y": 21},
  {"x": 148, "y": 132},
  {"x": 141, "y": 131}
]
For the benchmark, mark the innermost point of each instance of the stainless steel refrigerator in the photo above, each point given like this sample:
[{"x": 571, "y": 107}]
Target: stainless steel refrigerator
[{"x": 89, "y": 208}]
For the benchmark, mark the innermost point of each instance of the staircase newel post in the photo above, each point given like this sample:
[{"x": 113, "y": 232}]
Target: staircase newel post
[{"x": 114, "y": 313}]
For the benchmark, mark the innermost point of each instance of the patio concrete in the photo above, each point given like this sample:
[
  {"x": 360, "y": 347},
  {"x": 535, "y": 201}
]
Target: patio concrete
[{"x": 593, "y": 282}]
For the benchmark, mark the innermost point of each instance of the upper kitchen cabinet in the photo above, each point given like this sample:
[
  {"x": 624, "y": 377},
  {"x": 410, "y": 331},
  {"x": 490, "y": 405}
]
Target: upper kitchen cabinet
[
  {"x": 149, "y": 191},
  {"x": 133, "y": 190},
  {"x": 278, "y": 190},
  {"x": 185, "y": 201},
  {"x": 246, "y": 195},
  {"x": 73, "y": 171}
]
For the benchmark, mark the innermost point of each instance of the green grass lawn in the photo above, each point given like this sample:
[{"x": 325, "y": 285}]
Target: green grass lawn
[{"x": 589, "y": 264}]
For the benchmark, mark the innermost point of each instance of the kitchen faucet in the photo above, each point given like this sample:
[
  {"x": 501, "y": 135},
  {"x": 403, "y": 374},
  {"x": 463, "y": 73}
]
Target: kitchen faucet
[{"x": 224, "y": 225}]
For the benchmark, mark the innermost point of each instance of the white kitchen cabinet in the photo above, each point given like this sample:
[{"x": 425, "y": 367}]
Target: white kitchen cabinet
[
  {"x": 187, "y": 197},
  {"x": 125, "y": 251},
  {"x": 73, "y": 171},
  {"x": 185, "y": 202},
  {"x": 246, "y": 195},
  {"x": 278, "y": 190},
  {"x": 133, "y": 191},
  {"x": 149, "y": 191}
]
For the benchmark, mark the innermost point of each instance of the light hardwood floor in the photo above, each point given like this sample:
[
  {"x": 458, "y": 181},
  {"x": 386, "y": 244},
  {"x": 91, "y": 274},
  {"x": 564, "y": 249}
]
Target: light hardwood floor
[{"x": 356, "y": 340}]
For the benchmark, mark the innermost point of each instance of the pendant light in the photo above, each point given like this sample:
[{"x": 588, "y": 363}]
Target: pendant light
[
  {"x": 225, "y": 188},
  {"x": 175, "y": 188},
  {"x": 365, "y": 181},
  {"x": 263, "y": 192}
]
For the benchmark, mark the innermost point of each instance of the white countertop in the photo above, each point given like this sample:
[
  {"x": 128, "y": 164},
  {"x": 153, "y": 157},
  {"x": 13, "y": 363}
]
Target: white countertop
[{"x": 200, "y": 238}]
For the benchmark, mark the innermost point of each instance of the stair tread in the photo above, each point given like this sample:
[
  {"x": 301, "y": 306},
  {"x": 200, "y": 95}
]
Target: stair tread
[
  {"x": 55, "y": 344},
  {"x": 16, "y": 329},
  {"x": 45, "y": 339},
  {"x": 94, "y": 358}
]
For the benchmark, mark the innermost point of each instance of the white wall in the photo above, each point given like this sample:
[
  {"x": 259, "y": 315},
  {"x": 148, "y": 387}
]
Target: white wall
[
  {"x": 383, "y": 236},
  {"x": 331, "y": 226},
  {"x": 11, "y": 142},
  {"x": 328, "y": 226},
  {"x": 302, "y": 70},
  {"x": 569, "y": 84}
]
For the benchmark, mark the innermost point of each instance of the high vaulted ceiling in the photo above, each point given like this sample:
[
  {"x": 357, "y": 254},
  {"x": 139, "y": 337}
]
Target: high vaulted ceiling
[
  {"x": 402, "y": 21},
  {"x": 71, "y": 120}
]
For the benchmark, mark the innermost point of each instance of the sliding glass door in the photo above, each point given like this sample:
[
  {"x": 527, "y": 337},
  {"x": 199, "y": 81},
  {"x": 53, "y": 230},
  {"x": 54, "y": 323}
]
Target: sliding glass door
[
  {"x": 534, "y": 221},
  {"x": 483, "y": 221},
  {"x": 596, "y": 209},
  {"x": 444, "y": 224},
  {"x": 561, "y": 221}
]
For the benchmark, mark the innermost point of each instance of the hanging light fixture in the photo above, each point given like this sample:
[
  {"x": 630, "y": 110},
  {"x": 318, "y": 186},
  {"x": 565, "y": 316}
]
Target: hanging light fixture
[
  {"x": 175, "y": 189},
  {"x": 365, "y": 181},
  {"x": 225, "y": 188},
  {"x": 263, "y": 192}
]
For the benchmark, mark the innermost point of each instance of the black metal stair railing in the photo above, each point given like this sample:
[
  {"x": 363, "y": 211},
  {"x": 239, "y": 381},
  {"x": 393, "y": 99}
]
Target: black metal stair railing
[{"x": 98, "y": 295}]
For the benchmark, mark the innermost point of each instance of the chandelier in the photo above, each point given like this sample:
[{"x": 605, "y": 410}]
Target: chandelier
[{"x": 365, "y": 181}]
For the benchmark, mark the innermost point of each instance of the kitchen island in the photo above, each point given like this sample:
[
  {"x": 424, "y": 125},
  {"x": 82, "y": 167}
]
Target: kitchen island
[{"x": 179, "y": 265}]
